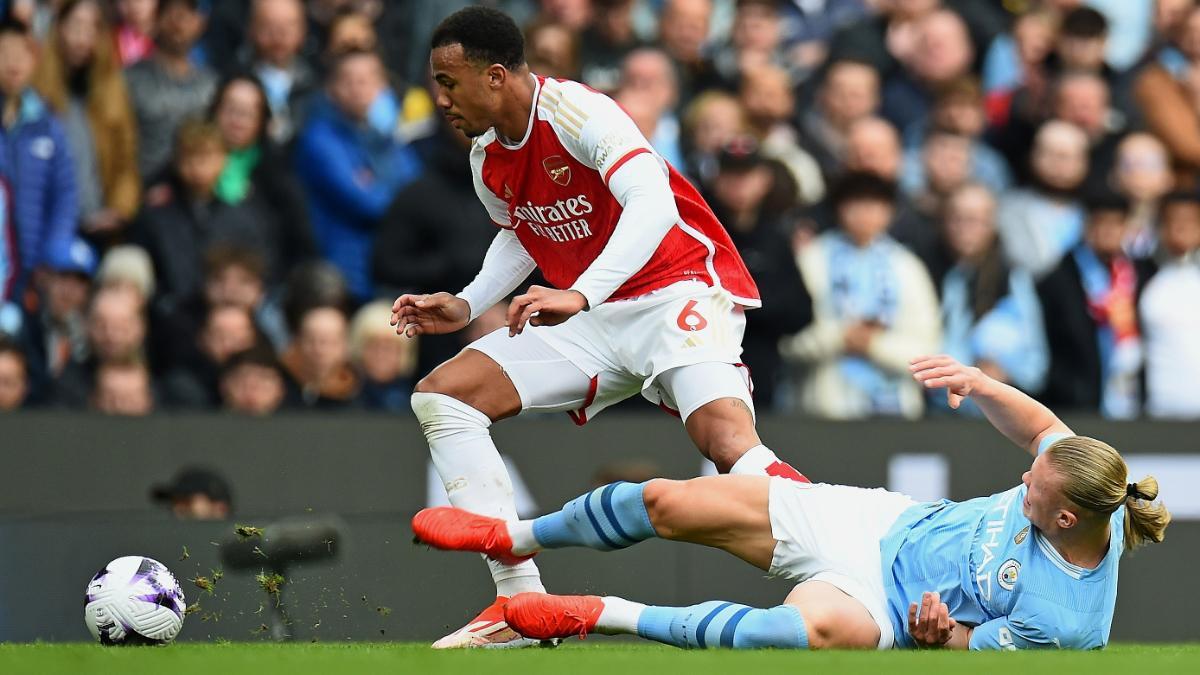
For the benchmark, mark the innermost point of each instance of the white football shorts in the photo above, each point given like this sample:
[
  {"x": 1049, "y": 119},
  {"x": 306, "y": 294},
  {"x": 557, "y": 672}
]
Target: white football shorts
[{"x": 831, "y": 533}]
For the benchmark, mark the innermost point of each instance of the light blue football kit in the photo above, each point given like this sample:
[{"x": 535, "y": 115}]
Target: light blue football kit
[{"x": 995, "y": 571}]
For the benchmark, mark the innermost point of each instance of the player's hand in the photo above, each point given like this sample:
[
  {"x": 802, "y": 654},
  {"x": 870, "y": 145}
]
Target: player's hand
[
  {"x": 943, "y": 371},
  {"x": 418, "y": 314},
  {"x": 932, "y": 627},
  {"x": 541, "y": 306}
]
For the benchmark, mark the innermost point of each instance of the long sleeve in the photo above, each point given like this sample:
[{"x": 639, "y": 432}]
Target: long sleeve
[
  {"x": 506, "y": 264},
  {"x": 326, "y": 165},
  {"x": 62, "y": 216},
  {"x": 648, "y": 214}
]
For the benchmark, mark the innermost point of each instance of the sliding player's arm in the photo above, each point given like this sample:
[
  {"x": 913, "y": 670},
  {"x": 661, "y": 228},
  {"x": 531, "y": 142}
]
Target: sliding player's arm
[
  {"x": 1021, "y": 419},
  {"x": 599, "y": 134}
]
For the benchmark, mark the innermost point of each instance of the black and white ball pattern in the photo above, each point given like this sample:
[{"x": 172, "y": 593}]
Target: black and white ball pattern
[{"x": 134, "y": 600}]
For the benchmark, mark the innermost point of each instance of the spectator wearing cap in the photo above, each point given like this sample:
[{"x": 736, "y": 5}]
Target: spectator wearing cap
[
  {"x": 55, "y": 334},
  {"x": 1170, "y": 316},
  {"x": 1089, "y": 303},
  {"x": 252, "y": 382},
  {"x": 874, "y": 306},
  {"x": 350, "y": 170},
  {"x": 167, "y": 88},
  {"x": 990, "y": 310},
  {"x": 750, "y": 196},
  {"x": 128, "y": 266},
  {"x": 80, "y": 77},
  {"x": 196, "y": 493},
  {"x": 14, "y": 376},
  {"x": 35, "y": 159}
]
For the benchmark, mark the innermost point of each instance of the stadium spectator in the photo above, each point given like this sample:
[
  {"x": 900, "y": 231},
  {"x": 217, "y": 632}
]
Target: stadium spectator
[
  {"x": 318, "y": 362},
  {"x": 14, "y": 376},
  {"x": 167, "y": 88},
  {"x": 767, "y": 97},
  {"x": 1170, "y": 317},
  {"x": 191, "y": 217},
  {"x": 386, "y": 361},
  {"x": 941, "y": 54},
  {"x": 434, "y": 235},
  {"x": 711, "y": 120},
  {"x": 276, "y": 36},
  {"x": 552, "y": 49},
  {"x": 257, "y": 169},
  {"x": 194, "y": 383},
  {"x": 755, "y": 41},
  {"x": 990, "y": 311},
  {"x": 1083, "y": 99},
  {"x": 649, "y": 92},
  {"x": 35, "y": 158},
  {"x": 55, "y": 334},
  {"x": 80, "y": 78},
  {"x": 882, "y": 38},
  {"x": 874, "y": 306},
  {"x": 1142, "y": 174},
  {"x": 123, "y": 387},
  {"x": 128, "y": 266},
  {"x": 135, "y": 26},
  {"x": 1016, "y": 59},
  {"x": 606, "y": 42},
  {"x": 350, "y": 31},
  {"x": 945, "y": 162},
  {"x": 351, "y": 171},
  {"x": 252, "y": 382},
  {"x": 196, "y": 493},
  {"x": 849, "y": 93},
  {"x": 1040, "y": 223},
  {"x": 1089, "y": 302},
  {"x": 116, "y": 331},
  {"x": 750, "y": 195},
  {"x": 1166, "y": 94},
  {"x": 958, "y": 109},
  {"x": 683, "y": 30}
]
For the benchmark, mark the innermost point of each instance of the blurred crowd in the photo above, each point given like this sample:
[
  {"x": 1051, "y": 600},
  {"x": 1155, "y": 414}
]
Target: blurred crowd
[{"x": 211, "y": 204}]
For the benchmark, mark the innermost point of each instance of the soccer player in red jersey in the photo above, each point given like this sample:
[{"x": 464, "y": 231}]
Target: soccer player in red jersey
[{"x": 648, "y": 292}]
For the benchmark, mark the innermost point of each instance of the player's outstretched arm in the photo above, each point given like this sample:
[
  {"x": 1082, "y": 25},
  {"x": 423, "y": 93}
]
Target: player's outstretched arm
[
  {"x": 1021, "y": 419},
  {"x": 418, "y": 314}
]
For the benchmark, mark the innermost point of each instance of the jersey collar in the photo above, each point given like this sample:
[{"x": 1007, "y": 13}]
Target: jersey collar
[{"x": 533, "y": 111}]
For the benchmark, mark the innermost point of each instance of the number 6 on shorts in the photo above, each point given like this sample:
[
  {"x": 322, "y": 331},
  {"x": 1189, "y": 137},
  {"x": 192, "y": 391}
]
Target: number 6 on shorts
[{"x": 689, "y": 319}]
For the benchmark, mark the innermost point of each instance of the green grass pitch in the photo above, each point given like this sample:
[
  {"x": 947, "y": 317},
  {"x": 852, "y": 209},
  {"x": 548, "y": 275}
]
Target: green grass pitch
[{"x": 599, "y": 656}]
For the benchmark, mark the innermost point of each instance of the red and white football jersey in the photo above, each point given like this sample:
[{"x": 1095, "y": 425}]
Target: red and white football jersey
[{"x": 552, "y": 191}]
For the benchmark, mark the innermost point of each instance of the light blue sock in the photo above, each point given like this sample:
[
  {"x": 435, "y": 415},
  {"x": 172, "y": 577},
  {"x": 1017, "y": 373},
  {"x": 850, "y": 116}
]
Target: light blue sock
[
  {"x": 724, "y": 624},
  {"x": 607, "y": 518}
]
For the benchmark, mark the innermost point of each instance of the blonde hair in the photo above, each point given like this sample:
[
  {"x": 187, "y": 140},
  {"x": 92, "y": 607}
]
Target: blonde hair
[
  {"x": 1094, "y": 478},
  {"x": 373, "y": 320}
]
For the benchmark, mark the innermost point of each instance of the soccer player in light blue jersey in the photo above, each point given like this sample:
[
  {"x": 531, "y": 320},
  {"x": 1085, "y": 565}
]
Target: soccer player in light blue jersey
[{"x": 1033, "y": 566}]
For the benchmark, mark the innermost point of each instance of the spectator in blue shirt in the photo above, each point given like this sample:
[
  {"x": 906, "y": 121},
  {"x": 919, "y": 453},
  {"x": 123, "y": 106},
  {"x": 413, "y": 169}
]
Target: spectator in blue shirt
[
  {"x": 34, "y": 158},
  {"x": 350, "y": 169}
]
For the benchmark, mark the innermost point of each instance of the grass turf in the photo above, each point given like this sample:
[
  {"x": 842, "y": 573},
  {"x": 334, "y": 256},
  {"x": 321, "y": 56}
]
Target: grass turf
[{"x": 574, "y": 658}]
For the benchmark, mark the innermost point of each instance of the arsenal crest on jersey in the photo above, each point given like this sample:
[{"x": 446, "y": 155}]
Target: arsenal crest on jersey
[{"x": 559, "y": 170}]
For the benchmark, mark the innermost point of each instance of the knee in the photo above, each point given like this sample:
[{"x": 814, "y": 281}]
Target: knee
[
  {"x": 726, "y": 445},
  {"x": 664, "y": 500}
]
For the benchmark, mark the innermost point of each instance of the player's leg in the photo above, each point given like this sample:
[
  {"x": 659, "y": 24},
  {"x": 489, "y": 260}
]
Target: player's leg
[
  {"x": 455, "y": 404},
  {"x": 725, "y": 512},
  {"x": 815, "y": 615},
  {"x": 714, "y": 401}
]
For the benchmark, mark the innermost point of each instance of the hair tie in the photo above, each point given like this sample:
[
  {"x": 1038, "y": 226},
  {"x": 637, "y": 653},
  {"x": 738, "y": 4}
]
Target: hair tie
[{"x": 1131, "y": 490}]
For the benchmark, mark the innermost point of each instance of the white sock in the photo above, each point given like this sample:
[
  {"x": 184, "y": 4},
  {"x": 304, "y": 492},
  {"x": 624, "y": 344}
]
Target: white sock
[
  {"x": 754, "y": 462},
  {"x": 619, "y": 616},
  {"x": 521, "y": 533},
  {"x": 475, "y": 477}
]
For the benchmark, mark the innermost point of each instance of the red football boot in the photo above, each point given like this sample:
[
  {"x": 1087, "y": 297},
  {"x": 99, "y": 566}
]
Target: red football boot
[
  {"x": 542, "y": 616},
  {"x": 452, "y": 529},
  {"x": 488, "y": 631}
]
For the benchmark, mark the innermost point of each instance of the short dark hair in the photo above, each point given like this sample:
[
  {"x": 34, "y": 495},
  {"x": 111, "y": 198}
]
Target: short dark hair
[
  {"x": 1084, "y": 22},
  {"x": 10, "y": 346},
  {"x": 164, "y": 5},
  {"x": 862, "y": 185},
  {"x": 260, "y": 355},
  {"x": 220, "y": 257},
  {"x": 1177, "y": 197},
  {"x": 10, "y": 25},
  {"x": 486, "y": 35},
  {"x": 1106, "y": 201}
]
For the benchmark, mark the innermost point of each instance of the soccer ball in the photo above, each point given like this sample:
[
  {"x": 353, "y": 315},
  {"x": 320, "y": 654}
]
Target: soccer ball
[{"x": 134, "y": 601}]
